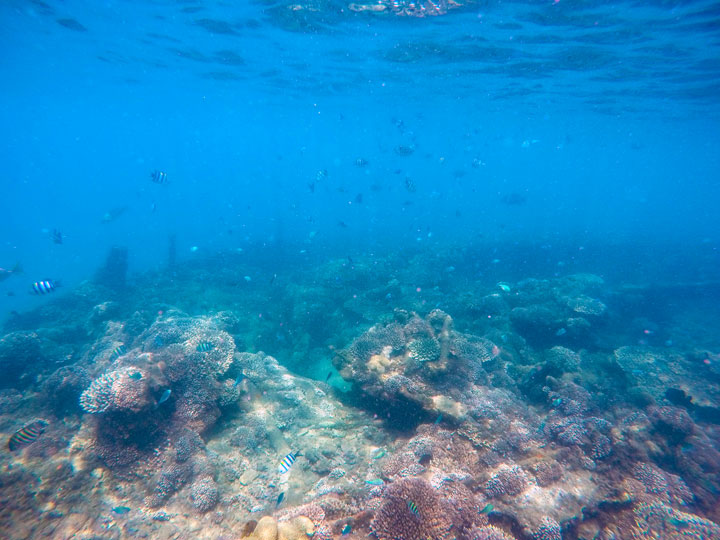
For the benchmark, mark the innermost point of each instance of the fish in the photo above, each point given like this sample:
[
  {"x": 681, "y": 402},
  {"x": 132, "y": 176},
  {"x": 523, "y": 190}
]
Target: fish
[
  {"x": 165, "y": 396},
  {"x": 280, "y": 499},
  {"x": 438, "y": 419},
  {"x": 561, "y": 332},
  {"x": 402, "y": 150},
  {"x": 135, "y": 376},
  {"x": 118, "y": 351},
  {"x": 413, "y": 508},
  {"x": 158, "y": 177},
  {"x": 557, "y": 402},
  {"x": 361, "y": 162},
  {"x": 375, "y": 482},
  {"x": 346, "y": 529},
  {"x": 504, "y": 287},
  {"x": 321, "y": 175},
  {"x": 238, "y": 379},
  {"x": 204, "y": 346},
  {"x": 26, "y": 435},
  {"x": 5, "y": 273},
  {"x": 486, "y": 509},
  {"x": 380, "y": 453},
  {"x": 328, "y": 376},
  {"x": 113, "y": 214},
  {"x": 410, "y": 185},
  {"x": 57, "y": 236},
  {"x": 45, "y": 287},
  {"x": 359, "y": 198},
  {"x": 287, "y": 462},
  {"x": 121, "y": 510}
]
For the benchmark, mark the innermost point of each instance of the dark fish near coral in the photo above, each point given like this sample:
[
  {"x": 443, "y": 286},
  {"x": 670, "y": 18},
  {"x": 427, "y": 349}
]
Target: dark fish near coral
[
  {"x": 402, "y": 150},
  {"x": 118, "y": 352},
  {"x": 135, "y": 376},
  {"x": 287, "y": 462},
  {"x": 346, "y": 529},
  {"x": 57, "y": 236},
  {"x": 165, "y": 396},
  {"x": 27, "y": 434},
  {"x": 158, "y": 177},
  {"x": 438, "y": 419},
  {"x": 328, "y": 376},
  {"x": 205, "y": 346},
  {"x": 413, "y": 508},
  {"x": 238, "y": 379},
  {"x": 5, "y": 273},
  {"x": 121, "y": 510},
  {"x": 45, "y": 287},
  {"x": 280, "y": 499}
]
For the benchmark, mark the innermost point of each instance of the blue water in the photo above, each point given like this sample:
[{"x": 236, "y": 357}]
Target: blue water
[{"x": 603, "y": 117}]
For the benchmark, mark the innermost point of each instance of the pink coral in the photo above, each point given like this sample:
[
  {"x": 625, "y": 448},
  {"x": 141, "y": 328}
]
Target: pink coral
[{"x": 431, "y": 518}]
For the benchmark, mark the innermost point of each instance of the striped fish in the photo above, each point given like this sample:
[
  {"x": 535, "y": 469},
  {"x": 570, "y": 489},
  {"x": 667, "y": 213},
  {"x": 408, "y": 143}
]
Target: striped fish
[
  {"x": 118, "y": 352},
  {"x": 413, "y": 508},
  {"x": 204, "y": 346},
  {"x": 159, "y": 177},
  {"x": 287, "y": 462},
  {"x": 27, "y": 435},
  {"x": 44, "y": 287}
]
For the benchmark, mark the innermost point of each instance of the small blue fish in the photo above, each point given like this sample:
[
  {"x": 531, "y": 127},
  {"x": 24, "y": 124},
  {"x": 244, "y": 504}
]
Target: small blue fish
[
  {"x": 159, "y": 177},
  {"x": 287, "y": 462},
  {"x": 44, "y": 287},
  {"x": 280, "y": 499},
  {"x": 557, "y": 402},
  {"x": 438, "y": 420},
  {"x": 375, "y": 482},
  {"x": 118, "y": 351},
  {"x": 205, "y": 346},
  {"x": 135, "y": 376},
  {"x": 561, "y": 332},
  {"x": 413, "y": 508},
  {"x": 486, "y": 509},
  {"x": 121, "y": 510},
  {"x": 238, "y": 379},
  {"x": 165, "y": 396},
  {"x": 380, "y": 453},
  {"x": 346, "y": 529}
]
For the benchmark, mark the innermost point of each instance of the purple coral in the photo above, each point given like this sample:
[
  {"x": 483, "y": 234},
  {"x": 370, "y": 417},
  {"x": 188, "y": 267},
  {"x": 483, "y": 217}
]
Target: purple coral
[
  {"x": 507, "y": 481},
  {"x": 122, "y": 389},
  {"x": 549, "y": 529},
  {"x": 204, "y": 493},
  {"x": 431, "y": 520}
]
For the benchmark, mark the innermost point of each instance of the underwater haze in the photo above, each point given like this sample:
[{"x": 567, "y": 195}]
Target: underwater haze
[{"x": 389, "y": 269}]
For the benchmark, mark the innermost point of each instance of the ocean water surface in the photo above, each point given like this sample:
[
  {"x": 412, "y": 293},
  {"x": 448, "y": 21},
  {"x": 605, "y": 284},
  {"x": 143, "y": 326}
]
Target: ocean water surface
[{"x": 400, "y": 270}]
